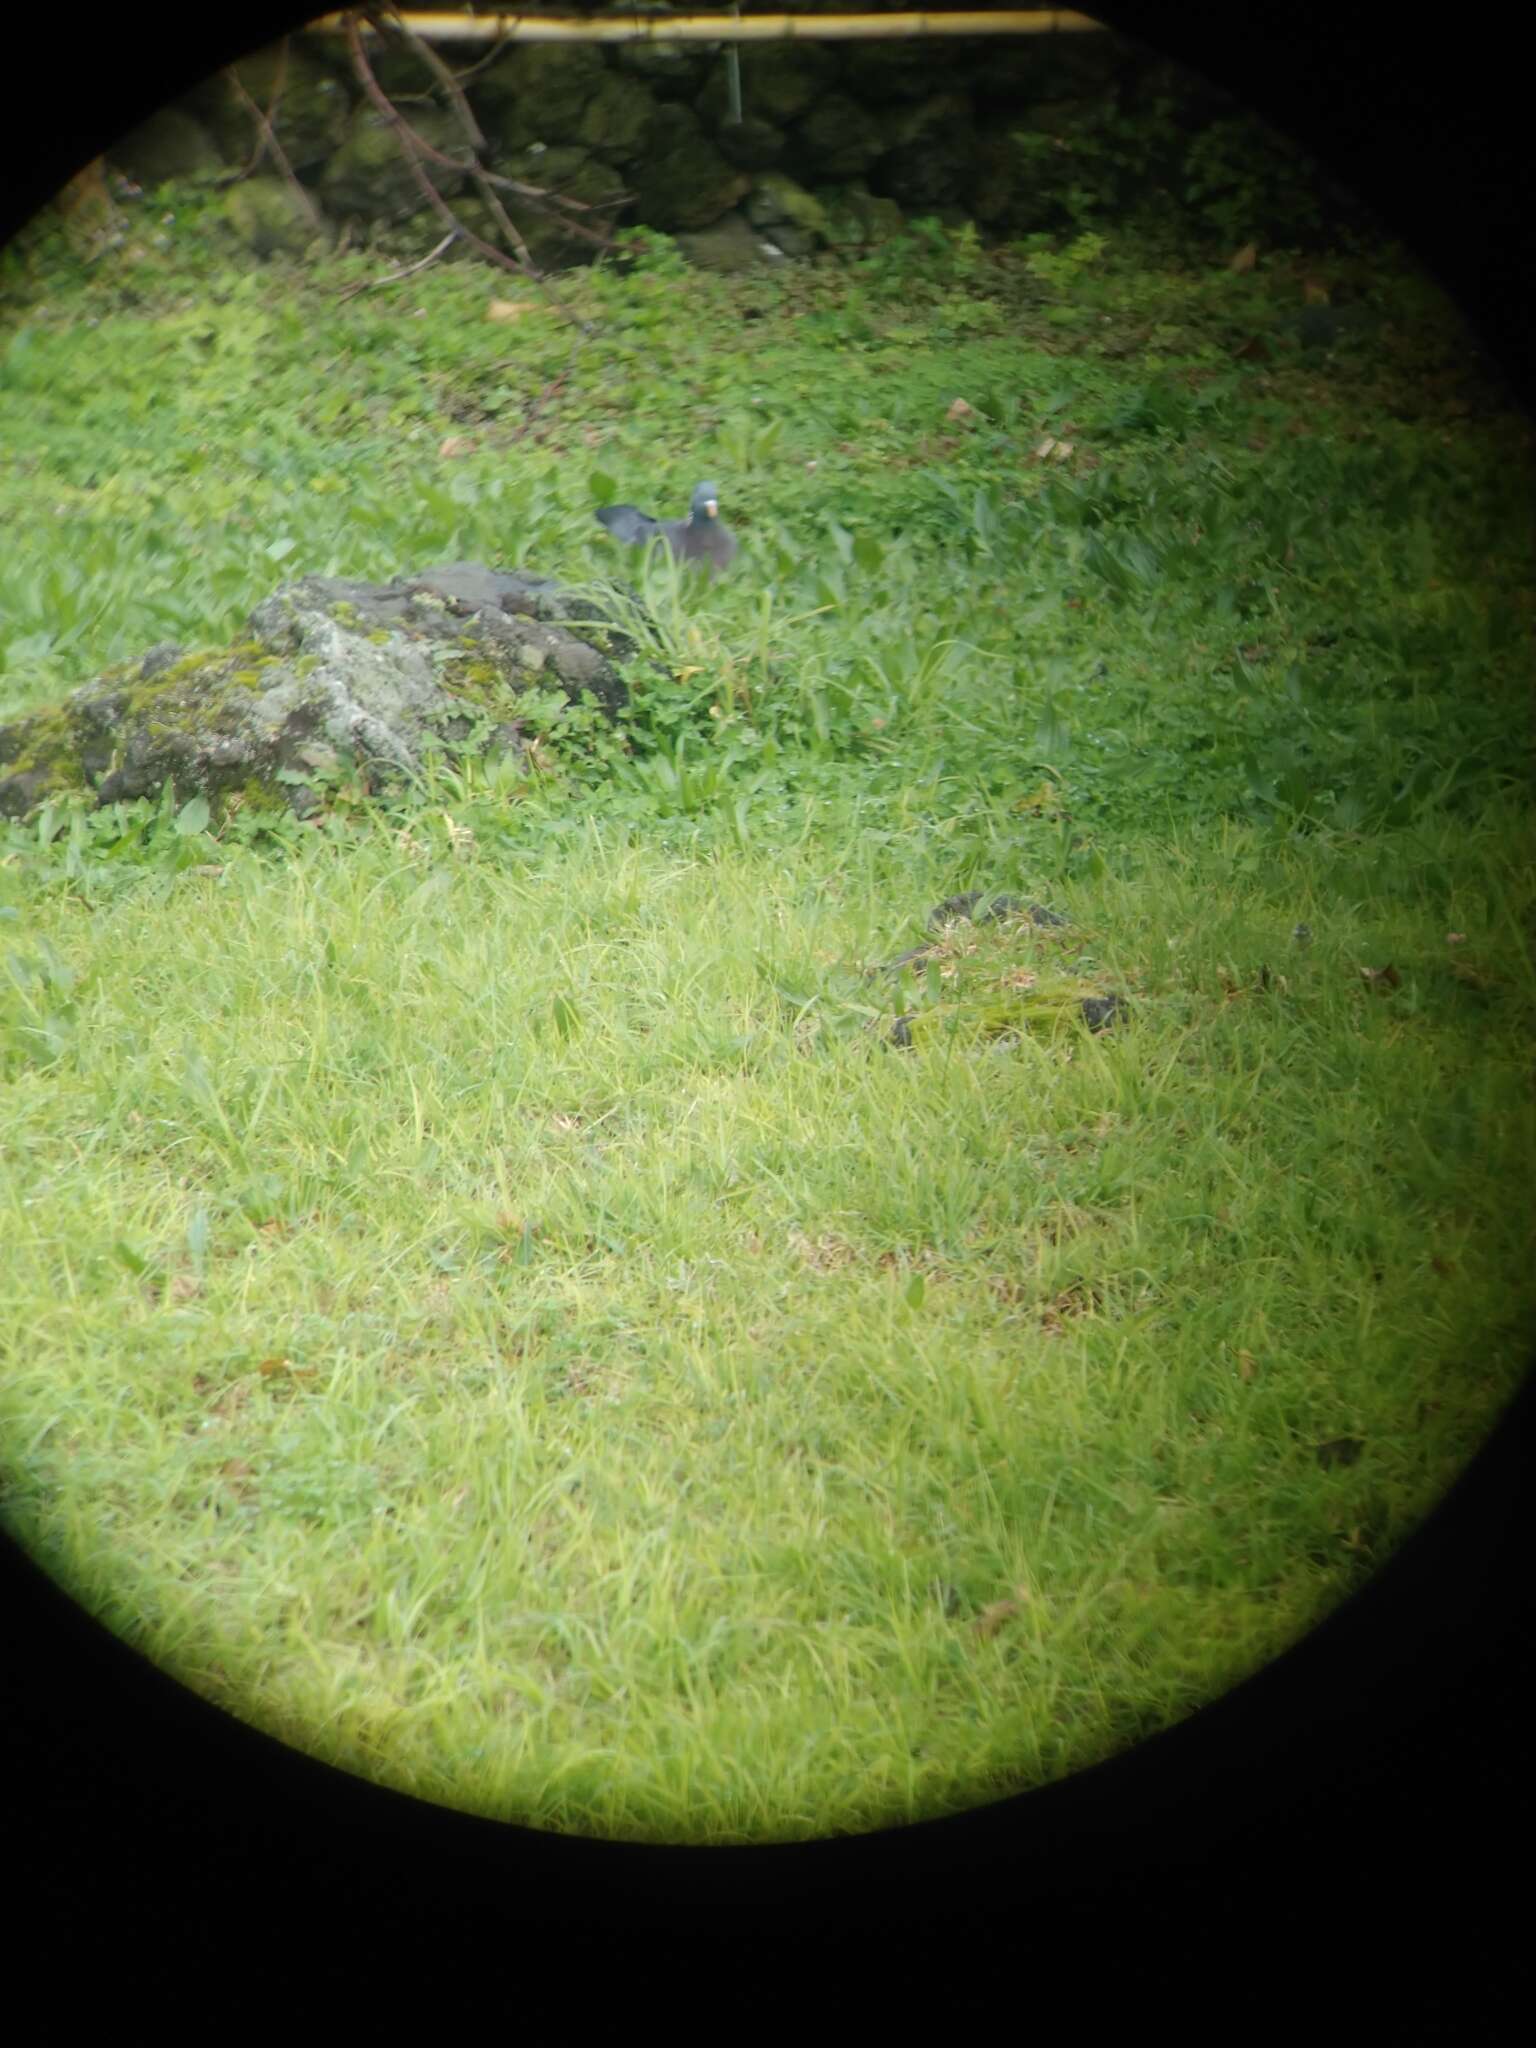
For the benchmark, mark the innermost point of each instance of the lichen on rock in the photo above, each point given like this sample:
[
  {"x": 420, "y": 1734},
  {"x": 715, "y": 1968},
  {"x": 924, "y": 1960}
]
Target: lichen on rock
[{"x": 377, "y": 673}]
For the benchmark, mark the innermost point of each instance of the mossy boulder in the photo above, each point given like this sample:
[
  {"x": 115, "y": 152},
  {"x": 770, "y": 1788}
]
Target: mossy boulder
[
  {"x": 539, "y": 92},
  {"x": 858, "y": 217},
  {"x": 681, "y": 180},
  {"x": 170, "y": 145},
  {"x": 376, "y": 674},
  {"x": 566, "y": 172},
  {"x": 752, "y": 144},
  {"x": 838, "y": 139},
  {"x": 614, "y": 120},
  {"x": 368, "y": 177},
  {"x": 932, "y": 156},
  {"x": 313, "y": 109},
  {"x": 779, "y": 81},
  {"x": 269, "y": 218}
]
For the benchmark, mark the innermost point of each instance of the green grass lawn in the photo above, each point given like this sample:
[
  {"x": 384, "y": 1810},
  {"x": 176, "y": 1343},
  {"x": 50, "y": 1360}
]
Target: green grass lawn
[{"x": 486, "y": 1300}]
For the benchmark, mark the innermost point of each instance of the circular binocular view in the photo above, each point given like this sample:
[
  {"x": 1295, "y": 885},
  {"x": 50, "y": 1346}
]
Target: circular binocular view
[{"x": 766, "y": 905}]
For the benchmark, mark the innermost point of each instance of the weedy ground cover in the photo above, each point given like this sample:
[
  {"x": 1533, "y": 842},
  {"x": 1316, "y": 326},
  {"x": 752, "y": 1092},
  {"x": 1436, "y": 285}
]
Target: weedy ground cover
[{"x": 485, "y": 1296}]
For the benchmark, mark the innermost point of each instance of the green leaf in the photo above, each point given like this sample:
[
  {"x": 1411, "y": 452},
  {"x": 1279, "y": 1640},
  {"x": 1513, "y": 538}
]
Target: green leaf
[
  {"x": 127, "y": 1256},
  {"x": 984, "y": 520},
  {"x": 1053, "y": 735},
  {"x": 1142, "y": 560},
  {"x": 916, "y": 1288},
  {"x": 567, "y": 1019},
  {"x": 192, "y": 817}
]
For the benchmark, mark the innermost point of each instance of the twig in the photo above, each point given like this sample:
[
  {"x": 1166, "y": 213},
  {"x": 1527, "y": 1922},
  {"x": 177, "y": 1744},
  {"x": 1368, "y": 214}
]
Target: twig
[
  {"x": 407, "y": 270},
  {"x": 383, "y": 19},
  {"x": 538, "y": 195},
  {"x": 418, "y": 150},
  {"x": 471, "y": 127},
  {"x": 415, "y": 149},
  {"x": 265, "y": 129}
]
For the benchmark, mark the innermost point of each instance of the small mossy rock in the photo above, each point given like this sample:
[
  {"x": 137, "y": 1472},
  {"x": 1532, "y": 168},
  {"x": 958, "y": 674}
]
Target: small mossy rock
[
  {"x": 368, "y": 177},
  {"x": 614, "y": 120},
  {"x": 314, "y": 105},
  {"x": 269, "y": 218},
  {"x": 980, "y": 906},
  {"x": 377, "y": 673},
  {"x": 540, "y": 91},
  {"x": 860, "y": 218},
  {"x": 681, "y": 180},
  {"x": 1102, "y": 1013},
  {"x": 751, "y": 143},
  {"x": 732, "y": 244},
  {"x": 776, "y": 201},
  {"x": 172, "y": 144},
  {"x": 838, "y": 139}
]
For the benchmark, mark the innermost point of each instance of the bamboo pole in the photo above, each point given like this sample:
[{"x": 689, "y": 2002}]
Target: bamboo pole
[{"x": 712, "y": 28}]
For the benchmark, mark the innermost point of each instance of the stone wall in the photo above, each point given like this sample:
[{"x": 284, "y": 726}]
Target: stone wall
[{"x": 839, "y": 144}]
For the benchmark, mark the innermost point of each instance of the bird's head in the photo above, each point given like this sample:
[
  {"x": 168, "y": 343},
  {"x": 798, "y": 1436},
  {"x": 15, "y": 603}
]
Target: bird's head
[{"x": 706, "y": 502}]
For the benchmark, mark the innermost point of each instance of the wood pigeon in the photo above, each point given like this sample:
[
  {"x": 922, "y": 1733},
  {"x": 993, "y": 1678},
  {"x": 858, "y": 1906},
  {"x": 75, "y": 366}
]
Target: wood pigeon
[{"x": 701, "y": 537}]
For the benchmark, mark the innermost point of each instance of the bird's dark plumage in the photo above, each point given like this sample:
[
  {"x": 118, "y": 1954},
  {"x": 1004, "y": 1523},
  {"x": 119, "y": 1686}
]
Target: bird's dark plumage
[{"x": 701, "y": 537}]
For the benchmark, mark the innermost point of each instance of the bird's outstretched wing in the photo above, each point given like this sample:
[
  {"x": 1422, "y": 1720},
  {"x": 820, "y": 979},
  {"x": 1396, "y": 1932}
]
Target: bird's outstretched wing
[{"x": 626, "y": 523}]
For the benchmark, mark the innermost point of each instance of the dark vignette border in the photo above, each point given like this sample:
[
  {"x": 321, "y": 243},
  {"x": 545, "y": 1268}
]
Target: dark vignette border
[{"x": 1331, "y": 1842}]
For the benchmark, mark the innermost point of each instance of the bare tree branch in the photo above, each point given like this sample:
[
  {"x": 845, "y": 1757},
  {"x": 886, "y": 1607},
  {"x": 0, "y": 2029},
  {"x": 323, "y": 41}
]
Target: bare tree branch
[
  {"x": 415, "y": 149},
  {"x": 264, "y": 129},
  {"x": 556, "y": 204},
  {"x": 473, "y": 131},
  {"x": 383, "y": 19},
  {"x": 418, "y": 153}
]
